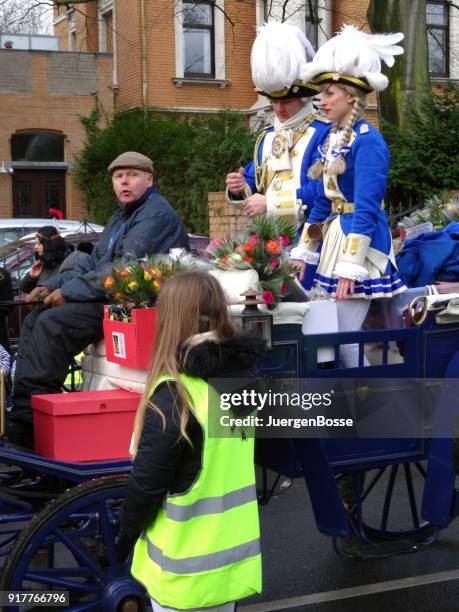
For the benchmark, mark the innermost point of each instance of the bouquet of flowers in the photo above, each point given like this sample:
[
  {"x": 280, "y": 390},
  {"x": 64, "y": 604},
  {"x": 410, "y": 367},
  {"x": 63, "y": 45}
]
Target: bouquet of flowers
[
  {"x": 139, "y": 282},
  {"x": 261, "y": 247}
]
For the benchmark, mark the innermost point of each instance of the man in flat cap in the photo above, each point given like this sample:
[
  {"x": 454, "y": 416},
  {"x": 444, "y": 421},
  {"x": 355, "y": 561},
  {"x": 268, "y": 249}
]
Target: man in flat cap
[{"x": 71, "y": 318}]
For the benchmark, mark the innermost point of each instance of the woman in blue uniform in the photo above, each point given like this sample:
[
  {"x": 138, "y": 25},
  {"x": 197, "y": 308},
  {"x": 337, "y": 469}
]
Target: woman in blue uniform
[{"x": 356, "y": 262}]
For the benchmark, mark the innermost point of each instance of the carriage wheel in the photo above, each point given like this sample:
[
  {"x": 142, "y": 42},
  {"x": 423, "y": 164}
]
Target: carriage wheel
[
  {"x": 70, "y": 546},
  {"x": 383, "y": 508}
]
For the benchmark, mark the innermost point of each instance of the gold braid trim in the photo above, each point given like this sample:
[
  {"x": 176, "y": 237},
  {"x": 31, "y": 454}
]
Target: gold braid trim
[{"x": 261, "y": 171}]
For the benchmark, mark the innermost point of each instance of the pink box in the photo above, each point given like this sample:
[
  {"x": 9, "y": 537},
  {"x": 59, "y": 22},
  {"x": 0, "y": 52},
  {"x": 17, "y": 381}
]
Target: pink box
[
  {"x": 131, "y": 344},
  {"x": 84, "y": 426}
]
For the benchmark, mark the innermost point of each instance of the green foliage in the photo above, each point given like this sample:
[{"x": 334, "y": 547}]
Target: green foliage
[
  {"x": 191, "y": 157},
  {"x": 425, "y": 152}
]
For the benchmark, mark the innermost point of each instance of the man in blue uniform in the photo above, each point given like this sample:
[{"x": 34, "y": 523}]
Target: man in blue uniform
[{"x": 276, "y": 181}]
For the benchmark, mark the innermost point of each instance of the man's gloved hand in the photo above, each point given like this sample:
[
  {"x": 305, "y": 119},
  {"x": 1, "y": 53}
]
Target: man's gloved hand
[
  {"x": 55, "y": 298},
  {"x": 37, "y": 295},
  {"x": 123, "y": 546}
]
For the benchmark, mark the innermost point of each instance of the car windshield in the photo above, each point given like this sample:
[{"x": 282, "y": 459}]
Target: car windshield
[
  {"x": 8, "y": 235},
  {"x": 14, "y": 229},
  {"x": 17, "y": 256}
]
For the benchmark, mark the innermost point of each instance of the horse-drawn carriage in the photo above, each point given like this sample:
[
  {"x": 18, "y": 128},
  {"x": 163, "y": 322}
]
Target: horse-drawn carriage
[{"x": 59, "y": 520}]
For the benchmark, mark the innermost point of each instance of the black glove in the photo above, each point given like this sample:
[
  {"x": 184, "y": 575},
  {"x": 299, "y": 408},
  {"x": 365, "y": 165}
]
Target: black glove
[{"x": 124, "y": 544}]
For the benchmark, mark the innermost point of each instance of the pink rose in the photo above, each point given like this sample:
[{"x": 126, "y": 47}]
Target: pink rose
[
  {"x": 284, "y": 289},
  {"x": 275, "y": 263},
  {"x": 267, "y": 297},
  {"x": 253, "y": 240},
  {"x": 285, "y": 240}
]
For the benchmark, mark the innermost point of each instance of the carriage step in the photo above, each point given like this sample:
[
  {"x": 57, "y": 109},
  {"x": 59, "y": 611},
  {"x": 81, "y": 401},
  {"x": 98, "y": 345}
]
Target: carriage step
[{"x": 354, "y": 547}]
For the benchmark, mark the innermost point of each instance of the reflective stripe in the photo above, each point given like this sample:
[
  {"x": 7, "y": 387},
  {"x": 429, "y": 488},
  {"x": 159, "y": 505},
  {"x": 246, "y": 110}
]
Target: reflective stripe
[
  {"x": 211, "y": 505},
  {"x": 203, "y": 563}
]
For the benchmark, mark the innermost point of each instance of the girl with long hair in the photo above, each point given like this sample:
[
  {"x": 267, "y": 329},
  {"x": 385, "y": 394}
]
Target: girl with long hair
[
  {"x": 191, "y": 501},
  {"x": 50, "y": 251}
]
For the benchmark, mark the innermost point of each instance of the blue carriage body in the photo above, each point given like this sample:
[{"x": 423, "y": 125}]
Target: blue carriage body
[{"x": 429, "y": 352}]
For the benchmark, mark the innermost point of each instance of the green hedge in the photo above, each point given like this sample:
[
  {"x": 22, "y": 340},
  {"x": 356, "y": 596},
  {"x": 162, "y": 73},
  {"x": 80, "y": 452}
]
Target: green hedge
[
  {"x": 191, "y": 157},
  {"x": 425, "y": 153}
]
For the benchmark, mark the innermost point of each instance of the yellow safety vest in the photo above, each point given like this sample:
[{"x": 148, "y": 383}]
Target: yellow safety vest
[{"x": 203, "y": 548}]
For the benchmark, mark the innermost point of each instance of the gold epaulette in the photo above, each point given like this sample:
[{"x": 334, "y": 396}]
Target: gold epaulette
[{"x": 323, "y": 119}]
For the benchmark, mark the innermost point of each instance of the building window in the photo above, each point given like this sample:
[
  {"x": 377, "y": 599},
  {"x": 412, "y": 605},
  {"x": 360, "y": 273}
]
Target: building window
[
  {"x": 72, "y": 41},
  {"x": 106, "y": 32},
  {"x": 198, "y": 39},
  {"x": 312, "y": 23},
  {"x": 437, "y": 18},
  {"x": 71, "y": 29},
  {"x": 37, "y": 147}
]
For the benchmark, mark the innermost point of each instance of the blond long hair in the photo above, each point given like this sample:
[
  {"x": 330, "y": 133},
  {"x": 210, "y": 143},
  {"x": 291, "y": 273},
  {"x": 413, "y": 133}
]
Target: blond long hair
[
  {"x": 338, "y": 165},
  {"x": 190, "y": 303}
]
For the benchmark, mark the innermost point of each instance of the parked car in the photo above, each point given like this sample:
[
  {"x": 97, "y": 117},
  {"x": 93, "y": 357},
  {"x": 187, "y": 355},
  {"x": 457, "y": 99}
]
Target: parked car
[
  {"x": 18, "y": 256},
  {"x": 198, "y": 243},
  {"x": 14, "y": 229}
]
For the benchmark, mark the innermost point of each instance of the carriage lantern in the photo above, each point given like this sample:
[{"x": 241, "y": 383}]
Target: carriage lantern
[{"x": 251, "y": 319}]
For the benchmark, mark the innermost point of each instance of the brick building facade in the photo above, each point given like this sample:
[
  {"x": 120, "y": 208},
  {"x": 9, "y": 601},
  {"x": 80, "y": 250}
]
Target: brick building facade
[
  {"x": 150, "y": 53},
  {"x": 172, "y": 55},
  {"x": 43, "y": 94}
]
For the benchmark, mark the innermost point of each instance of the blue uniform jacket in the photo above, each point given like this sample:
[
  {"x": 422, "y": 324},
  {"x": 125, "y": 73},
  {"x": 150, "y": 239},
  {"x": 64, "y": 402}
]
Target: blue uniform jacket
[{"x": 364, "y": 184}]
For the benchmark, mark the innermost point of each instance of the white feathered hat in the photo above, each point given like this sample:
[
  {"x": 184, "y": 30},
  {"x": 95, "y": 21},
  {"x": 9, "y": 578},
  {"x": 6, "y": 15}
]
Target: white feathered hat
[
  {"x": 354, "y": 57},
  {"x": 278, "y": 53}
]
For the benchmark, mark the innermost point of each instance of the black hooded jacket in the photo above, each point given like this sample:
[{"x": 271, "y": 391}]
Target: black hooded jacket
[{"x": 165, "y": 461}]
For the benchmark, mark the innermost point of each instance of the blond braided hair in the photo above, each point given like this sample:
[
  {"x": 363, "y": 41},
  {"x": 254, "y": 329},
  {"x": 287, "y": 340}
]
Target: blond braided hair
[{"x": 338, "y": 164}]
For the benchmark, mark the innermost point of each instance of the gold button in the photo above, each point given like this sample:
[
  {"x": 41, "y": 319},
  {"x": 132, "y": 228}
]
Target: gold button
[
  {"x": 277, "y": 204},
  {"x": 291, "y": 175}
]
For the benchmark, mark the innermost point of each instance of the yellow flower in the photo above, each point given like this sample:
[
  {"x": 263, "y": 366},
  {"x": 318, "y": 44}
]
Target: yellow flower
[
  {"x": 156, "y": 285},
  {"x": 133, "y": 285},
  {"x": 109, "y": 282},
  {"x": 147, "y": 276}
]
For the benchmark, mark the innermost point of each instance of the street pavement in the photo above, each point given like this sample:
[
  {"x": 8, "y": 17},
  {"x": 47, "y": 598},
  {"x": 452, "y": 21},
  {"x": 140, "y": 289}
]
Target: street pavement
[{"x": 301, "y": 571}]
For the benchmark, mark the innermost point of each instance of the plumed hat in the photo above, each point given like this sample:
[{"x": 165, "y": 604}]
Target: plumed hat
[
  {"x": 279, "y": 51},
  {"x": 354, "y": 57}
]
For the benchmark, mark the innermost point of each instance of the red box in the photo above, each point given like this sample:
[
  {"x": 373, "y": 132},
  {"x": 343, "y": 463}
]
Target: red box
[
  {"x": 131, "y": 344},
  {"x": 84, "y": 426}
]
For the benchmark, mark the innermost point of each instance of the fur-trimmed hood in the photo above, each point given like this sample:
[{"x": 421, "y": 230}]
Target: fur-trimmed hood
[{"x": 235, "y": 357}]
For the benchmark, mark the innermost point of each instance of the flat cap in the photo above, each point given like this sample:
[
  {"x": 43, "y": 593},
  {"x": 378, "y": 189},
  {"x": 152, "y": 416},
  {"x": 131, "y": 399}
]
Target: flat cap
[{"x": 132, "y": 159}]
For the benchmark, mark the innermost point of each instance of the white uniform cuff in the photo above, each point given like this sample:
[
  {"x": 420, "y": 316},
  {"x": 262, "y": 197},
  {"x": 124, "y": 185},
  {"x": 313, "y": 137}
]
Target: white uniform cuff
[
  {"x": 356, "y": 248},
  {"x": 347, "y": 269},
  {"x": 301, "y": 254}
]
